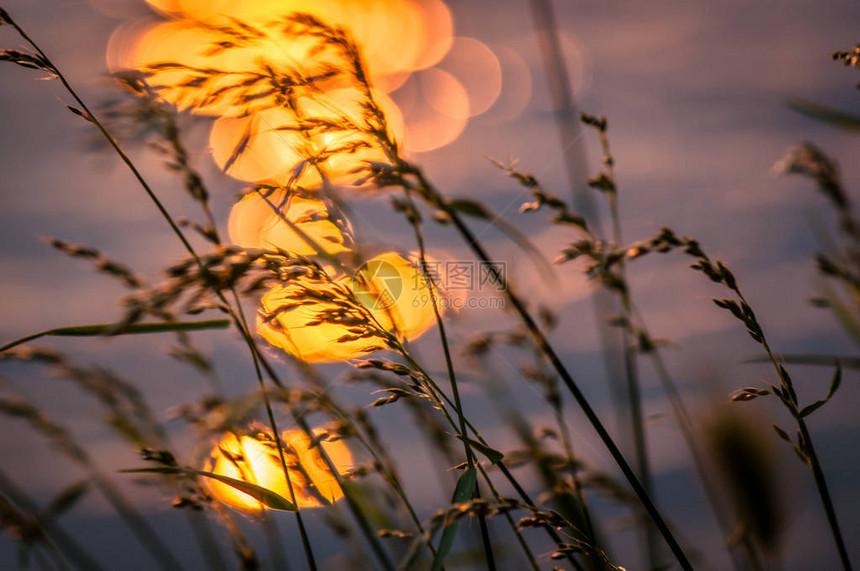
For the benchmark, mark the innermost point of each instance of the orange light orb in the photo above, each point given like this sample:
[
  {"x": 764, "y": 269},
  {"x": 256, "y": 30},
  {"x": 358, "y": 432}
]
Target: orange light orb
[
  {"x": 207, "y": 70},
  {"x": 516, "y": 89},
  {"x": 255, "y": 459},
  {"x": 301, "y": 318},
  {"x": 477, "y": 69},
  {"x": 435, "y": 109},
  {"x": 395, "y": 36},
  {"x": 168, "y": 7},
  {"x": 273, "y": 146},
  {"x": 395, "y": 290},
  {"x": 276, "y": 219}
]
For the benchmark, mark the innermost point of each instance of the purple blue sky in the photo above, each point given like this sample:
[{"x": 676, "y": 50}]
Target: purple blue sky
[{"x": 695, "y": 96}]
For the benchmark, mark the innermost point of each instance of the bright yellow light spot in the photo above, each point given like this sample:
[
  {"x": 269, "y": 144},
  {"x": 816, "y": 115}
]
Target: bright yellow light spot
[
  {"x": 396, "y": 37},
  {"x": 309, "y": 319},
  {"x": 395, "y": 290},
  {"x": 277, "y": 219},
  {"x": 272, "y": 146},
  {"x": 255, "y": 459},
  {"x": 207, "y": 79},
  {"x": 237, "y": 61}
]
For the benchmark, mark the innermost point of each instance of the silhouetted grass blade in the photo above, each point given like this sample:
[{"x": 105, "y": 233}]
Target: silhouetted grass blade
[
  {"x": 832, "y": 117},
  {"x": 112, "y": 329},
  {"x": 267, "y": 497},
  {"x": 463, "y": 492}
]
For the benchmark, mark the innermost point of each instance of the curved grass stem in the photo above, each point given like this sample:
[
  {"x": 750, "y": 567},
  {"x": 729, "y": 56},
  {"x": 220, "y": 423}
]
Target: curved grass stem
[
  {"x": 414, "y": 219},
  {"x": 811, "y": 454},
  {"x": 90, "y": 116},
  {"x": 631, "y": 369},
  {"x": 432, "y": 195}
]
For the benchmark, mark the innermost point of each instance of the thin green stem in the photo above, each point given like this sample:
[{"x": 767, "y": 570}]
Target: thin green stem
[
  {"x": 685, "y": 423},
  {"x": 186, "y": 244},
  {"x": 415, "y": 221},
  {"x": 824, "y": 492},
  {"x": 436, "y": 392},
  {"x": 517, "y": 533},
  {"x": 116, "y": 329},
  {"x": 90, "y": 116},
  {"x": 543, "y": 343},
  {"x": 634, "y": 386},
  {"x": 256, "y": 357},
  {"x": 372, "y": 539},
  {"x": 389, "y": 475},
  {"x": 353, "y": 505},
  {"x": 812, "y": 455}
]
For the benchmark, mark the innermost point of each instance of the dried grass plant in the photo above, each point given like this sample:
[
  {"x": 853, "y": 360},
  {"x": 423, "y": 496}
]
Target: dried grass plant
[{"x": 372, "y": 510}]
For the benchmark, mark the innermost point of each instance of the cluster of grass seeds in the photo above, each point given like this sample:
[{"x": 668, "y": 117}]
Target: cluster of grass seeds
[{"x": 384, "y": 519}]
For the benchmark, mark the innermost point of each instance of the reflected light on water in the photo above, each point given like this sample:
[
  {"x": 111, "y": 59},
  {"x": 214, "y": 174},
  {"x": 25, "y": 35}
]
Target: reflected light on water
[{"x": 255, "y": 459}]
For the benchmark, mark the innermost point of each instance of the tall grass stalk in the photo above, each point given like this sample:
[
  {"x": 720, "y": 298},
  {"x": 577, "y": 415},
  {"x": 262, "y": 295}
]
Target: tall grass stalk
[
  {"x": 90, "y": 116},
  {"x": 435, "y": 391},
  {"x": 631, "y": 321},
  {"x": 407, "y": 175},
  {"x": 414, "y": 218},
  {"x": 719, "y": 273},
  {"x": 426, "y": 190},
  {"x": 60, "y": 437},
  {"x": 805, "y": 440},
  {"x": 215, "y": 281},
  {"x": 71, "y": 549},
  {"x": 627, "y": 397},
  {"x": 631, "y": 369}
]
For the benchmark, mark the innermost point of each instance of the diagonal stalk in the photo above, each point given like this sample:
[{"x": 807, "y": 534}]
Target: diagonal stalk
[
  {"x": 809, "y": 448},
  {"x": 631, "y": 369},
  {"x": 186, "y": 244},
  {"x": 414, "y": 220},
  {"x": 436, "y": 392},
  {"x": 519, "y": 306}
]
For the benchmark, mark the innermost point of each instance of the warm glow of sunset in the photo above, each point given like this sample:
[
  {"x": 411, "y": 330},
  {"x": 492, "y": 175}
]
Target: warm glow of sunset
[
  {"x": 508, "y": 257},
  {"x": 397, "y": 38},
  {"x": 271, "y": 220},
  {"x": 274, "y": 148},
  {"x": 478, "y": 69},
  {"x": 256, "y": 460},
  {"x": 395, "y": 290},
  {"x": 184, "y": 42},
  {"x": 435, "y": 108},
  {"x": 306, "y": 330}
]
